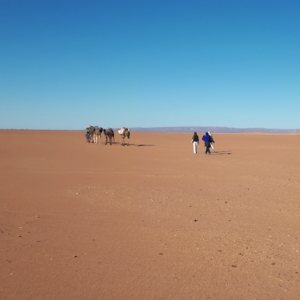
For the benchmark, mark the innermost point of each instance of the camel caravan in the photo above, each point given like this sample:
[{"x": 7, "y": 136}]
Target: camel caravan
[{"x": 93, "y": 135}]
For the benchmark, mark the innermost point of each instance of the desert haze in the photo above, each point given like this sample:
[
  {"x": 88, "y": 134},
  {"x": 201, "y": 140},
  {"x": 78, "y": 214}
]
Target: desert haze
[{"x": 151, "y": 220}]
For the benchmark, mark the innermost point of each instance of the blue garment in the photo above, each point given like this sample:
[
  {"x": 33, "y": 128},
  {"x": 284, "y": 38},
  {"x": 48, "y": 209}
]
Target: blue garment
[{"x": 205, "y": 137}]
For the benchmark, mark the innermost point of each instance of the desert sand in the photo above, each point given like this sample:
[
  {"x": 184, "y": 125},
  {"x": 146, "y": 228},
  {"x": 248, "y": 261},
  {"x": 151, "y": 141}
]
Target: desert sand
[{"x": 151, "y": 220}]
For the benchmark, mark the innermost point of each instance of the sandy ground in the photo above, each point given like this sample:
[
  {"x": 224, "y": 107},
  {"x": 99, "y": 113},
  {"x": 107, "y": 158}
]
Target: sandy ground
[{"x": 151, "y": 220}]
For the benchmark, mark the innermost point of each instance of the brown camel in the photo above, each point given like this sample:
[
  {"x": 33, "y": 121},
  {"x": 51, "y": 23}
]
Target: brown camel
[
  {"x": 109, "y": 134},
  {"x": 97, "y": 134}
]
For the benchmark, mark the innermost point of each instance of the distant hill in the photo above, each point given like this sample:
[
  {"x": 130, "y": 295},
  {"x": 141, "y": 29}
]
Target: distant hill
[{"x": 213, "y": 129}]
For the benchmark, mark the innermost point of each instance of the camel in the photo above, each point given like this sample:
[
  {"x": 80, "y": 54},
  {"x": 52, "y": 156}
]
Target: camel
[
  {"x": 109, "y": 133},
  {"x": 89, "y": 134},
  {"x": 124, "y": 132},
  {"x": 97, "y": 133}
]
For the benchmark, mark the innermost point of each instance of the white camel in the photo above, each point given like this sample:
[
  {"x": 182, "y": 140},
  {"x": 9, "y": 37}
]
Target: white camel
[{"x": 124, "y": 132}]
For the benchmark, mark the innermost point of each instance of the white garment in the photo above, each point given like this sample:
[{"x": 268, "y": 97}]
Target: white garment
[{"x": 195, "y": 146}]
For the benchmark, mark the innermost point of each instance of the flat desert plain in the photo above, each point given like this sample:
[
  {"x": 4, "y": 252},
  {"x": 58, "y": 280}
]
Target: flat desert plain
[{"x": 151, "y": 220}]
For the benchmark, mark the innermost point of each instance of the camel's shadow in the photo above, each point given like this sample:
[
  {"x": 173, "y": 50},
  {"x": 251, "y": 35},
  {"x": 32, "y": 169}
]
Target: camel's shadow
[
  {"x": 139, "y": 145},
  {"x": 227, "y": 152},
  {"x": 126, "y": 144}
]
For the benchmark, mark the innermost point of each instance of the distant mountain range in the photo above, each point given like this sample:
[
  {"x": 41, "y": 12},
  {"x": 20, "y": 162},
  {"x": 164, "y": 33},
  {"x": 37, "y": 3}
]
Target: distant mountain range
[
  {"x": 213, "y": 129},
  {"x": 199, "y": 129}
]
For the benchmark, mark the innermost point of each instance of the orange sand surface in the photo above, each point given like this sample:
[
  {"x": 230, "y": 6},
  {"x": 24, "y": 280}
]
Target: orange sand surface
[{"x": 151, "y": 220}]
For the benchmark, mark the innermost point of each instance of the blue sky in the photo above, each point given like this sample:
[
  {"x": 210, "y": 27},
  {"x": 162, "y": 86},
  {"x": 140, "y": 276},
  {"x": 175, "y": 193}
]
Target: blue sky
[{"x": 149, "y": 63}]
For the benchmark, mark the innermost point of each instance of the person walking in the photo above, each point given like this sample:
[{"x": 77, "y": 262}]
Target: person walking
[
  {"x": 195, "y": 142},
  {"x": 206, "y": 139},
  {"x": 211, "y": 141}
]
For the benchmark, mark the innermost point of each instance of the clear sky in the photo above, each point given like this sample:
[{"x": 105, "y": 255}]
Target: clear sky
[{"x": 149, "y": 63}]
